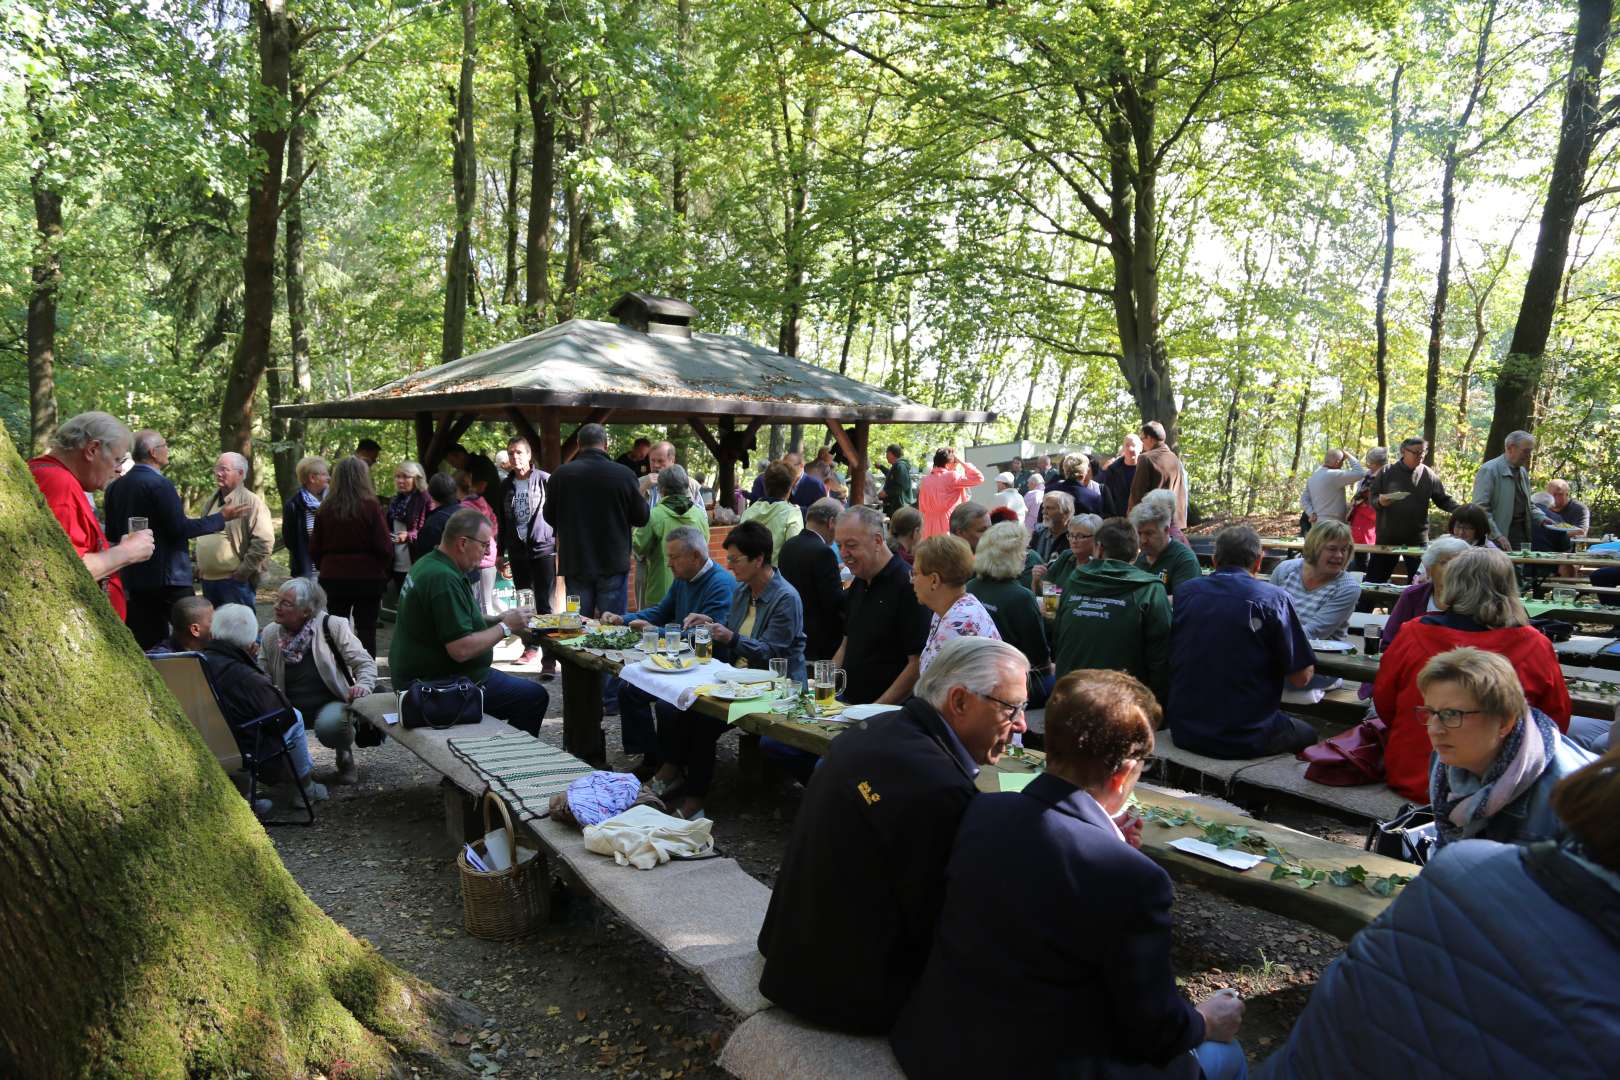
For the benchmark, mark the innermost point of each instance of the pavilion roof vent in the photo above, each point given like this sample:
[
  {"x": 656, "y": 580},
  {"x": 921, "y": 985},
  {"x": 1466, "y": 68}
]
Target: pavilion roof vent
[{"x": 654, "y": 314}]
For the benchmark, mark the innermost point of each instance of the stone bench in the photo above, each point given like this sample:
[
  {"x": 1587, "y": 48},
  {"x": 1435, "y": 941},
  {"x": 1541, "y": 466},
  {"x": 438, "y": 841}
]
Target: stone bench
[{"x": 776, "y": 1045}]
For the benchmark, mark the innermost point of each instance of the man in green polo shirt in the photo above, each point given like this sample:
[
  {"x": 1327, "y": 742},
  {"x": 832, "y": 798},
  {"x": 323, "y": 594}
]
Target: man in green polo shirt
[
  {"x": 1114, "y": 615},
  {"x": 1166, "y": 558},
  {"x": 440, "y": 633}
]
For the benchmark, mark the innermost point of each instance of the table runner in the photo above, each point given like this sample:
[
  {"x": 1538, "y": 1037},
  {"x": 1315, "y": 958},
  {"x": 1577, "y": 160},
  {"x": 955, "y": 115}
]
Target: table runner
[{"x": 522, "y": 770}]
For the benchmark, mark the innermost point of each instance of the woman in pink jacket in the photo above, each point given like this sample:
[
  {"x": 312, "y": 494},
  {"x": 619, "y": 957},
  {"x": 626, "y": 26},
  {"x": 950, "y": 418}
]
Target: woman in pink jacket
[{"x": 944, "y": 489}]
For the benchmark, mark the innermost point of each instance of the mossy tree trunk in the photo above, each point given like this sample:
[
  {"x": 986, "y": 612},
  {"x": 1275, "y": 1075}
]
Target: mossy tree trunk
[{"x": 147, "y": 926}]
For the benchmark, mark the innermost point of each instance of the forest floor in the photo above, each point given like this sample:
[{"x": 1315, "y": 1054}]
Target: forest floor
[{"x": 586, "y": 995}]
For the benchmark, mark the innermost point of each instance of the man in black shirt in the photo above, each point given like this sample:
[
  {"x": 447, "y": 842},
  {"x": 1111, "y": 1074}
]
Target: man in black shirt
[
  {"x": 863, "y": 879},
  {"x": 638, "y": 459},
  {"x": 884, "y": 625}
]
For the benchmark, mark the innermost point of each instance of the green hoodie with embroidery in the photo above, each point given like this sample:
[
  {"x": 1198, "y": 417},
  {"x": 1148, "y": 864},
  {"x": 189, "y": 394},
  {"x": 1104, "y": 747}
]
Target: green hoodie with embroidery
[{"x": 1112, "y": 615}]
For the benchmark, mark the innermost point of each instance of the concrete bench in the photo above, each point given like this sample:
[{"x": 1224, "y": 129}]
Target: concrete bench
[{"x": 774, "y": 1045}]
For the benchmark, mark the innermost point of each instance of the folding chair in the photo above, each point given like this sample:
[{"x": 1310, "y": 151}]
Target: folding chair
[{"x": 187, "y": 679}]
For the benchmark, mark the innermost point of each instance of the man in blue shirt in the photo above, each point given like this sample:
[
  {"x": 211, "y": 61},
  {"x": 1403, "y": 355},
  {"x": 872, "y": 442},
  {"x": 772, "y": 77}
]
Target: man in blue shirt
[
  {"x": 700, "y": 586},
  {"x": 1234, "y": 641}
]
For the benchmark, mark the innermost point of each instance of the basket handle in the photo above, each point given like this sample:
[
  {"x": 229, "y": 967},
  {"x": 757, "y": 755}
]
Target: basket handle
[{"x": 511, "y": 833}]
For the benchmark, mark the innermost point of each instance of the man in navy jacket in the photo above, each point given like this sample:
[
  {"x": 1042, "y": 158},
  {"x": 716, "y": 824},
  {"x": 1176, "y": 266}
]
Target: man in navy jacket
[
  {"x": 809, "y": 564},
  {"x": 154, "y": 585},
  {"x": 593, "y": 502},
  {"x": 1085, "y": 978}
]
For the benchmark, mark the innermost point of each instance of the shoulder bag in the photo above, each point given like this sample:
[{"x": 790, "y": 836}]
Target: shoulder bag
[{"x": 441, "y": 703}]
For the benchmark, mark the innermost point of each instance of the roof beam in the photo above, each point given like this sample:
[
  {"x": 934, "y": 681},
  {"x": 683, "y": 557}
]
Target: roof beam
[{"x": 570, "y": 445}]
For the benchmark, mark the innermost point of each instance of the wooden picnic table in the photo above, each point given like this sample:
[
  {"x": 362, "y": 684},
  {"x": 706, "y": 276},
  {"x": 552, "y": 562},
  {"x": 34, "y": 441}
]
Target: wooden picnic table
[
  {"x": 1592, "y": 691},
  {"x": 1533, "y": 558}
]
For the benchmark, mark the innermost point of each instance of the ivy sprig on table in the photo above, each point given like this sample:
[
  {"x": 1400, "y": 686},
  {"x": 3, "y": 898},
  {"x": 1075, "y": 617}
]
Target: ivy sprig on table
[{"x": 1285, "y": 867}]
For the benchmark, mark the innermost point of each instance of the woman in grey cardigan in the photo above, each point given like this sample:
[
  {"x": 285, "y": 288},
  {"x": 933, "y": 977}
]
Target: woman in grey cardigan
[{"x": 766, "y": 622}]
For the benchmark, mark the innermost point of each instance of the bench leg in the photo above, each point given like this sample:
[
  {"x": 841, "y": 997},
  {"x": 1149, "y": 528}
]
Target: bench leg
[
  {"x": 461, "y": 820},
  {"x": 750, "y": 761},
  {"x": 582, "y": 714}
]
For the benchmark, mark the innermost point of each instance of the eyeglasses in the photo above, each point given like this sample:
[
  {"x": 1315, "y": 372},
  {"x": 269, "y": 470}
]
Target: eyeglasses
[
  {"x": 1013, "y": 711},
  {"x": 1450, "y": 719},
  {"x": 483, "y": 545},
  {"x": 1081, "y": 536}
]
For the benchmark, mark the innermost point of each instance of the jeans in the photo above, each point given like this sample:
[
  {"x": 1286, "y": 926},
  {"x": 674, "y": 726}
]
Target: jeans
[
  {"x": 360, "y": 601},
  {"x": 599, "y": 594},
  {"x": 636, "y": 725},
  {"x": 520, "y": 702},
  {"x": 333, "y": 726},
  {"x": 228, "y": 591},
  {"x": 1222, "y": 1061},
  {"x": 1590, "y": 732},
  {"x": 1295, "y": 735},
  {"x": 297, "y": 748},
  {"x": 148, "y": 612}
]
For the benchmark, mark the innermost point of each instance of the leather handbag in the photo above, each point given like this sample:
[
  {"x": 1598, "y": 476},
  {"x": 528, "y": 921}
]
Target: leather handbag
[
  {"x": 1350, "y": 758},
  {"x": 441, "y": 703},
  {"x": 1409, "y": 835}
]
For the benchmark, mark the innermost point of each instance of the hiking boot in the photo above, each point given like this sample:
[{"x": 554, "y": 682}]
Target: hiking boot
[{"x": 347, "y": 772}]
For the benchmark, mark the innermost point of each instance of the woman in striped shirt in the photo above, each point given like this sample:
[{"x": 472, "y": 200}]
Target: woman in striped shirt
[{"x": 1323, "y": 594}]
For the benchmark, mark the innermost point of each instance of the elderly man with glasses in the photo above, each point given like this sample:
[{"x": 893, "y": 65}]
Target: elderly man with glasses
[
  {"x": 862, "y": 881},
  {"x": 1402, "y": 492},
  {"x": 440, "y": 631}
]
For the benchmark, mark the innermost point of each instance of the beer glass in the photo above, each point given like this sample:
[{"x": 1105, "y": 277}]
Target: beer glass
[
  {"x": 525, "y": 599},
  {"x": 827, "y": 683},
  {"x": 572, "y": 603},
  {"x": 702, "y": 643},
  {"x": 1049, "y": 599}
]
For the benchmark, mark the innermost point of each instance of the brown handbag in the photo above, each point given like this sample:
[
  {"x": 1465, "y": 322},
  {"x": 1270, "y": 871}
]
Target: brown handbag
[{"x": 1350, "y": 758}]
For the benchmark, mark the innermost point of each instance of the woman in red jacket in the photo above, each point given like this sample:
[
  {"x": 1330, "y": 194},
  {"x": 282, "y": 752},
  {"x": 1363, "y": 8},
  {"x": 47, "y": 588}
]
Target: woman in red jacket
[
  {"x": 351, "y": 549},
  {"x": 1480, "y": 607}
]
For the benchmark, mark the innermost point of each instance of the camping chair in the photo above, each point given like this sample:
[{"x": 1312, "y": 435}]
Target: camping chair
[{"x": 187, "y": 679}]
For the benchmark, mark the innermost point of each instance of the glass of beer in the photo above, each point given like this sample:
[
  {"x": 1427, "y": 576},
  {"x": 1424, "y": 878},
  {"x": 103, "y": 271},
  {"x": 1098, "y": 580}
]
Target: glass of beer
[
  {"x": 702, "y": 643},
  {"x": 1049, "y": 599},
  {"x": 572, "y": 603},
  {"x": 827, "y": 683},
  {"x": 779, "y": 676},
  {"x": 525, "y": 599}
]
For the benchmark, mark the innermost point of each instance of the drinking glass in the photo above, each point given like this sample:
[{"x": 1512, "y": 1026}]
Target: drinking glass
[
  {"x": 702, "y": 643},
  {"x": 138, "y": 524},
  {"x": 672, "y": 638},
  {"x": 525, "y": 599},
  {"x": 828, "y": 682},
  {"x": 1049, "y": 599},
  {"x": 572, "y": 603},
  {"x": 779, "y": 675},
  {"x": 649, "y": 641}
]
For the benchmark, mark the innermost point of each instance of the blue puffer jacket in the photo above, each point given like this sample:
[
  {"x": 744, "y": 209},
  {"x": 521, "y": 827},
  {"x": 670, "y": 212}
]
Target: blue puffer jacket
[{"x": 1475, "y": 971}]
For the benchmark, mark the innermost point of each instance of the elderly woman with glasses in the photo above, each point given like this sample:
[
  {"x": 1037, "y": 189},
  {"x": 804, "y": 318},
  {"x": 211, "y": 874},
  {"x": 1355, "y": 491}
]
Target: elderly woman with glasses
[
  {"x": 1082, "y": 549},
  {"x": 317, "y": 660},
  {"x": 1479, "y": 607},
  {"x": 1496, "y": 759},
  {"x": 1323, "y": 594}
]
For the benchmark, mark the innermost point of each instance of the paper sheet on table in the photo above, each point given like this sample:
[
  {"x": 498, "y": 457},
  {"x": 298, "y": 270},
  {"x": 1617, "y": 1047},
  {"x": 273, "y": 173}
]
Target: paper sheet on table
[
  {"x": 1012, "y": 781},
  {"x": 1237, "y": 860}
]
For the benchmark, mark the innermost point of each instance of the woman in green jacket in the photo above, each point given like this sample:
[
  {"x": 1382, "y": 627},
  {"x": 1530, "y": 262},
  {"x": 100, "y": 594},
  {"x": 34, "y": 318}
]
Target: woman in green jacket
[{"x": 673, "y": 509}]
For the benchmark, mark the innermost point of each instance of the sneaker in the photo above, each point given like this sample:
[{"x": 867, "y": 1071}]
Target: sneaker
[
  {"x": 263, "y": 807},
  {"x": 315, "y": 791},
  {"x": 528, "y": 656},
  {"x": 662, "y": 788}
]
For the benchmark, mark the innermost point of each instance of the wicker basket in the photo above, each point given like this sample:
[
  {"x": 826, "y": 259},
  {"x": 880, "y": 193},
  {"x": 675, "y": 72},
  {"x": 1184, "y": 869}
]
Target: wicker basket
[{"x": 503, "y": 904}]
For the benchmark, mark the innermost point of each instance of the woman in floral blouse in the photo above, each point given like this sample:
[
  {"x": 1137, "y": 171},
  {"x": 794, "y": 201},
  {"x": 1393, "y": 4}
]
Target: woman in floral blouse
[{"x": 939, "y": 577}]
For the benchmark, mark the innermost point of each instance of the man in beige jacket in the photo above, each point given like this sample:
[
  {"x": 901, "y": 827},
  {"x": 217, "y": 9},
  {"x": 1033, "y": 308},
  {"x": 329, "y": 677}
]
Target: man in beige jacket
[{"x": 232, "y": 562}]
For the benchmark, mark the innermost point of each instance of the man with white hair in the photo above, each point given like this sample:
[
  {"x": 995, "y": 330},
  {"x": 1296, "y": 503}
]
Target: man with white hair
[
  {"x": 1502, "y": 490},
  {"x": 859, "y": 891},
  {"x": 232, "y": 562},
  {"x": 1163, "y": 556},
  {"x": 84, "y": 457},
  {"x": 1033, "y": 496},
  {"x": 1323, "y": 497},
  {"x": 885, "y": 627}
]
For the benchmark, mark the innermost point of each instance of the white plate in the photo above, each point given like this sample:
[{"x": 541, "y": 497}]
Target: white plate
[
  {"x": 650, "y": 666},
  {"x": 739, "y": 691},
  {"x": 1322, "y": 645}
]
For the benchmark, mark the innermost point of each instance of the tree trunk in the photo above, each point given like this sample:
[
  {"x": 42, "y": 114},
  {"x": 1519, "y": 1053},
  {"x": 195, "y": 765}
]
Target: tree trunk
[
  {"x": 150, "y": 927},
  {"x": 252, "y": 353},
  {"x": 1520, "y": 377},
  {"x": 46, "y": 283},
  {"x": 578, "y": 216},
  {"x": 793, "y": 224},
  {"x": 1381, "y": 311},
  {"x": 1299, "y": 427},
  {"x": 464, "y": 177},
  {"x": 678, "y": 169},
  {"x": 539, "y": 88},
  {"x": 514, "y": 162},
  {"x": 287, "y": 433},
  {"x": 1029, "y": 401}
]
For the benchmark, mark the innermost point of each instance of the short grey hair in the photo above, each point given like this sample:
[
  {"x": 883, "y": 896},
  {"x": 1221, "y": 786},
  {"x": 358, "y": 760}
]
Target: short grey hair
[
  {"x": 1236, "y": 545},
  {"x": 1036, "y": 480},
  {"x": 236, "y": 624},
  {"x": 1479, "y": 583},
  {"x": 464, "y": 522},
  {"x": 672, "y": 481},
  {"x": 965, "y": 515},
  {"x": 1442, "y": 549},
  {"x": 866, "y": 517},
  {"x": 1090, "y": 521},
  {"x": 1515, "y": 438},
  {"x": 309, "y": 596},
  {"x": 235, "y": 461},
  {"x": 88, "y": 427},
  {"x": 1065, "y": 500},
  {"x": 972, "y": 662},
  {"x": 146, "y": 441},
  {"x": 688, "y": 536},
  {"x": 824, "y": 510},
  {"x": 1151, "y": 511},
  {"x": 1378, "y": 456}
]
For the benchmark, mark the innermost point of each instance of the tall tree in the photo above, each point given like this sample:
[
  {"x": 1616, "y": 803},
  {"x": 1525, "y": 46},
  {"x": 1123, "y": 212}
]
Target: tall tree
[
  {"x": 1397, "y": 127},
  {"x": 46, "y": 284},
  {"x": 150, "y": 927},
  {"x": 287, "y": 433},
  {"x": 540, "y": 88},
  {"x": 1520, "y": 377},
  {"x": 464, "y": 170}
]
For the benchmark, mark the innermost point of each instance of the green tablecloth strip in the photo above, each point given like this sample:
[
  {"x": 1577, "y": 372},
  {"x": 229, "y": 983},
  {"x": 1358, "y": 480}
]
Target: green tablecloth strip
[
  {"x": 1537, "y": 608},
  {"x": 739, "y": 709},
  {"x": 522, "y": 770}
]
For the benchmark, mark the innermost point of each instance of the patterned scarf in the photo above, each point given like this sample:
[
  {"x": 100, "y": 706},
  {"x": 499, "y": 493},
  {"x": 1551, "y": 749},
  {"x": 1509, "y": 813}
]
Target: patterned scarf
[
  {"x": 292, "y": 650},
  {"x": 311, "y": 504},
  {"x": 1524, "y": 756}
]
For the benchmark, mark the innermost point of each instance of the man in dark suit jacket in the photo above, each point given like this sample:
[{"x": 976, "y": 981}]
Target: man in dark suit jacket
[
  {"x": 1087, "y": 985},
  {"x": 593, "y": 502},
  {"x": 852, "y": 914},
  {"x": 811, "y": 567},
  {"x": 154, "y": 585}
]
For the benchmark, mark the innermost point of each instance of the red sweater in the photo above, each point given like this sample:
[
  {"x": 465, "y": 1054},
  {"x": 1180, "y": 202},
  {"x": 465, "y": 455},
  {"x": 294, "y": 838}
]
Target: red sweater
[
  {"x": 1407, "y": 750},
  {"x": 350, "y": 550}
]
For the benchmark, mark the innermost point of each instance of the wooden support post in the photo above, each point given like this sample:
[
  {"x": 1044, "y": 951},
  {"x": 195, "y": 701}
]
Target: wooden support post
[
  {"x": 701, "y": 430},
  {"x": 550, "y": 438},
  {"x": 424, "y": 436},
  {"x": 858, "y": 472},
  {"x": 725, "y": 457},
  {"x": 451, "y": 427},
  {"x": 582, "y": 714},
  {"x": 570, "y": 445}
]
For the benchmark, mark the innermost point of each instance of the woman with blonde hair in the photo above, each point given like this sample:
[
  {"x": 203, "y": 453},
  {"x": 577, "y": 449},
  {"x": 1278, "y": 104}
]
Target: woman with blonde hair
[
  {"x": 1480, "y": 607},
  {"x": 407, "y": 512},
  {"x": 997, "y": 566},
  {"x": 1323, "y": 594},
  {"x": 939, "y": 578}
]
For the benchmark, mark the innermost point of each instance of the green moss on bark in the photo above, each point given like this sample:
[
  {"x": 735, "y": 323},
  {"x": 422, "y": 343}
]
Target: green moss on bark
[{"x": 147, "y": 926}]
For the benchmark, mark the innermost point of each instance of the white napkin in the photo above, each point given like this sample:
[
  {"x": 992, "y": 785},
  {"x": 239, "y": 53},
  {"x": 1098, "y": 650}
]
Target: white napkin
[
  {"x": 643, "y": 837},
  {"x": 679, "y": 688}
]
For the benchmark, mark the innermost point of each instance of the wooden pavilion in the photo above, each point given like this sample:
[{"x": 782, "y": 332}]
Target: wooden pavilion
[{"x": 648, "y": 367}]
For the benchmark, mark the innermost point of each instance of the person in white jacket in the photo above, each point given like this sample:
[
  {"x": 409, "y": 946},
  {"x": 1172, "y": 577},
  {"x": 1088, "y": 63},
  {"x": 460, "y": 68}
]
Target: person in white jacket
[{"x": 1323, "y": 498}]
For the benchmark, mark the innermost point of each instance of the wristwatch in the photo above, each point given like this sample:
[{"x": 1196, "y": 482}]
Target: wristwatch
[{"x": 506, "y": 631}]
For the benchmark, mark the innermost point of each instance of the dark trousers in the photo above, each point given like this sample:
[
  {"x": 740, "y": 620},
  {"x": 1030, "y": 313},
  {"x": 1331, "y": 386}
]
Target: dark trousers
[
  {"x": 359, "y": 600},
  {"x": 537, "y": 572},
  {"x": 687, "y": 739},
  {"x": 1379, "y": 567},
  {"x": 228, "y": 591},
  {"x": 520, "y": 702},
  {"x": 147, "y": 612},
  {"x": 636, "y": 725},
  {"x": 599, "y": 594},
  {"x": 1292, "y": 737}
]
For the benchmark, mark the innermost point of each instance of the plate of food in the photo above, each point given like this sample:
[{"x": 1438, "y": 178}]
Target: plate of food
[
  {"x": 1396, "y": 496},
  {"x": 1325, "y": 645},
  {"x": 1559, "y": 526},
  {"x": 736, "y": 690},
  {"x": 664, "y": 662}
]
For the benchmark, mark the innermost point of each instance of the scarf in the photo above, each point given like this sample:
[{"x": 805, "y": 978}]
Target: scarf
[
  {"x": 311, "y": 504},
  {"x": 292, "y": 649},
  {"x": 677, "y": 504},
  {"x": 1524, "y": 756},
  {"x": 404, "y": 510}
]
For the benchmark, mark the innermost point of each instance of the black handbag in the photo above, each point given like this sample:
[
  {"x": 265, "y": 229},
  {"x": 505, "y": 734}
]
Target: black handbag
[
  {"x": 1408, "y": 836},
  {"x": 441, "y": 703}
]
